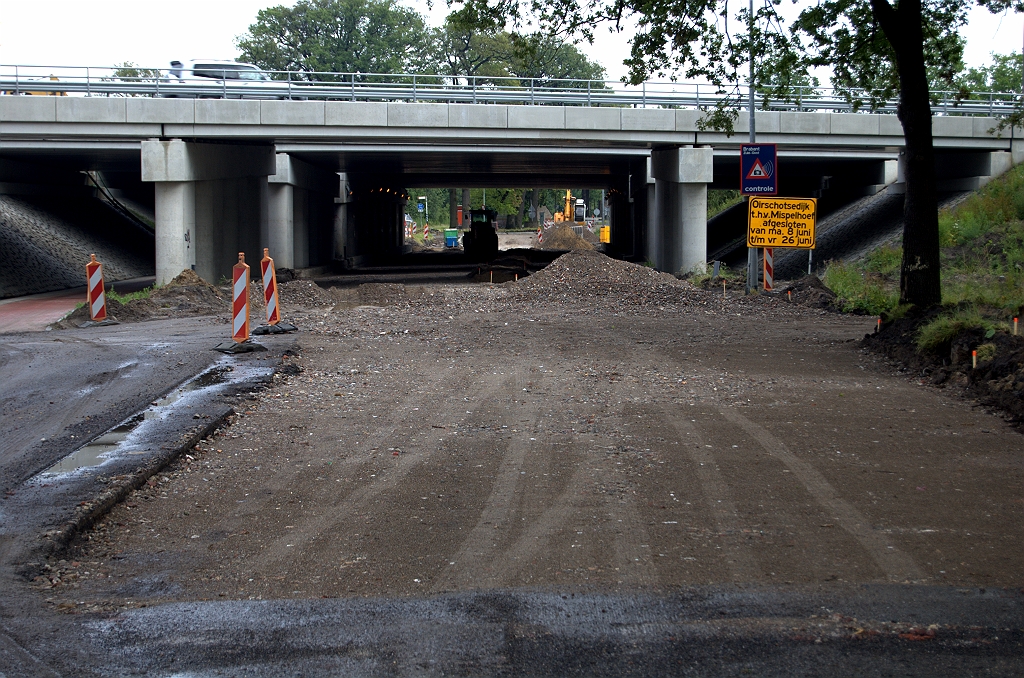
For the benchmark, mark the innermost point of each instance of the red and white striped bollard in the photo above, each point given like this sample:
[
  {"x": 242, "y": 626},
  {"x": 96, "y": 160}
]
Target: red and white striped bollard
[
  {"x": 270, "y": 288},
  {"x": 95, "y": 296},
  {"x": 769, "y": 269},
  {"x": 240, "y": 300}
]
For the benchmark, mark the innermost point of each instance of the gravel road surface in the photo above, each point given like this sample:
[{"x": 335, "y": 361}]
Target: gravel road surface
[{"x": 596, "y": 470}]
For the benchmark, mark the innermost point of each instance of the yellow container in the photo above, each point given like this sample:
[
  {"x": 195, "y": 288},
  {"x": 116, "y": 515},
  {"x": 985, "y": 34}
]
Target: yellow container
[{"x": 606, "y": 234}]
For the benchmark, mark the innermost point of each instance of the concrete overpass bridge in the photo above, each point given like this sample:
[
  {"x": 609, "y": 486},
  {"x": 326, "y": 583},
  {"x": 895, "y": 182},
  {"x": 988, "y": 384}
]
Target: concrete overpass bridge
[{"x": 318, "y": 181}]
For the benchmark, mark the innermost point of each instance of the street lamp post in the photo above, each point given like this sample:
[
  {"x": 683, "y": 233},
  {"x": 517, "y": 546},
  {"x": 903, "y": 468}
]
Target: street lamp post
[{"x": 426, "y": 210}]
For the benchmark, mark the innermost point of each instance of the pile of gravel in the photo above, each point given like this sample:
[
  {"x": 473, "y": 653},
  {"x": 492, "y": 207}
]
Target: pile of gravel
[
  {"x": 562, "y": 237},
  {"x": 184, "y": 296},
  {"x": 586, "y": 278},
  {"x": 305, "y": 294},
  {"x": 189, "y": 295},
  {"x": 810, "y": 291}
]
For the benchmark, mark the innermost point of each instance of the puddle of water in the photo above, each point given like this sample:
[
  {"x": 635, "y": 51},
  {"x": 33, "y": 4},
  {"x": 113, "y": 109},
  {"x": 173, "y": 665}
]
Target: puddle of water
[
  {"x": 100, "y": 449},
  {"x": 95, "y": 452}
]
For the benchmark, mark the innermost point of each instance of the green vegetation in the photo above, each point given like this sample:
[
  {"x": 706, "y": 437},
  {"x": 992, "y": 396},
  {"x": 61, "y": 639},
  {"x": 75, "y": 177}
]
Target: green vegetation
[
  {"x": 982, "y": 267},
  {"x": 125, "y": 298},
  {"x": 943, "y": 329},
  {"x": 719, "y": 200}
]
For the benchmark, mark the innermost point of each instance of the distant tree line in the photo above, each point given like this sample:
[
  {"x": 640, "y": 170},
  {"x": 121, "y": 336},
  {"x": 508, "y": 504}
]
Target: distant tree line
[{"x": 382, "y": 36}]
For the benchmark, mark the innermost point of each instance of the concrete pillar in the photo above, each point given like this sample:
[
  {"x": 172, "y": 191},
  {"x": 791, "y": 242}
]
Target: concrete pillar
[
  {"x": 297, "y": 192},
  {"x": 176, "y": 230},
  {"x": 212, "y": 194},
  {"x": 281, "y": 224},
  {"x": 301, "y": 228},
  {"x": 681, "y": 178},
  {"x": 341, "y": 218}
]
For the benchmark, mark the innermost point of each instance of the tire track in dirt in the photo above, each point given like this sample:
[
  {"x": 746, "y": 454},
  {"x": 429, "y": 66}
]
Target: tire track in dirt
[
  {"x": 897, "y": 565},
  {"x": 473, "y": 556},
  {"x": 334, "y": 511},
  {"x": 743, "y": 566},
  {"x": 386, "y": 427},
  {"x": 592, "y": 469}
]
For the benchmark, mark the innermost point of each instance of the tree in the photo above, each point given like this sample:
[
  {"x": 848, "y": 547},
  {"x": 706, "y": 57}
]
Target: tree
[
  {"x": 1003, "y": 75},
  {"x": 874, "y": 49},
  {"x": 343, "y": 36}
]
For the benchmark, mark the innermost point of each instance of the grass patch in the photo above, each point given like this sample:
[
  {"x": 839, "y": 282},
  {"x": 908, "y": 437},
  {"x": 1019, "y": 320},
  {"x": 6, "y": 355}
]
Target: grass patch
[
  {"x": 940, "y": 332},
  {"x": 721, "y": 200},
  {"x": 125, "y": 298},
  {"x": 859, "y": 290},
  {"x": 982, "y": 258},
  {"x": 999, "y": 202}
]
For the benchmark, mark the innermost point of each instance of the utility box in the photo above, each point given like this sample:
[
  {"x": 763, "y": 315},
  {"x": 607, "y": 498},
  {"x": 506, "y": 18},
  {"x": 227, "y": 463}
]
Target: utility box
[{"x": 451, "y": 237}]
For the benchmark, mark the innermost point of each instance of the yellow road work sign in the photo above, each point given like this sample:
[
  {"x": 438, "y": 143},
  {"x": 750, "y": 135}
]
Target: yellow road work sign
[{"x": 781, "y": 222}]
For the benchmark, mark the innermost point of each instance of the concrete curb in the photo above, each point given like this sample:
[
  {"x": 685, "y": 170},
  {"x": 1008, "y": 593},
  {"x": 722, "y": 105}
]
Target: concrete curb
[{"x": 88, "y": 513}]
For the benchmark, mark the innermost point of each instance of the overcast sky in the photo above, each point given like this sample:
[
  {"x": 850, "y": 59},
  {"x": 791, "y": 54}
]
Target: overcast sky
[{"x": 151, "y": 33}]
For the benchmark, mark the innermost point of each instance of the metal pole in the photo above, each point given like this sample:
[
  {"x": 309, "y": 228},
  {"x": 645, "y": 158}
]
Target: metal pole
[{"x": 751, "y": 251}]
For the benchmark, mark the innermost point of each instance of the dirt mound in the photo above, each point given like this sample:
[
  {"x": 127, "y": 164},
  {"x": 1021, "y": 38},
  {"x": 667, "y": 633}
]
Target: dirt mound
[
  {"x": 184, "y": 296},
  {"x": 811, "y": 292},
  {"x": 998, "y": 381},
  {"x": 134, "y": 311},
  {"x": 587, "y": 277},
  {"x": 304, "y": 293},
  {"x": 562, "y": 237},
  {"x": 188, "y": 295}
]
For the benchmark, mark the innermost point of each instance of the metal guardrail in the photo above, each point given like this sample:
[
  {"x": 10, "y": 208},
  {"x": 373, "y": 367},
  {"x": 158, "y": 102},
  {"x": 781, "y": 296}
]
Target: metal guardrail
[{"x": 299, "y": 85}]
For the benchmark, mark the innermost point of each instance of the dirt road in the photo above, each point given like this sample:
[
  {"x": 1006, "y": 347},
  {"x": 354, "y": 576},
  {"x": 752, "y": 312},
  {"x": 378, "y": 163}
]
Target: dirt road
[
  {"x": 598, "y": 470},
  {"x": 655, "y": 437}
]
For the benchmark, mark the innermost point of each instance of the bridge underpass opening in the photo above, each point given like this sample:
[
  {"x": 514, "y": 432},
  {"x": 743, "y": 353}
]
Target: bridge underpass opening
[{"x": 381, "y": 184}]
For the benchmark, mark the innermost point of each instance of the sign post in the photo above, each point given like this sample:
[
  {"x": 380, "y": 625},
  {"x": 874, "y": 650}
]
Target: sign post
[{"x": 758, "y": 176}]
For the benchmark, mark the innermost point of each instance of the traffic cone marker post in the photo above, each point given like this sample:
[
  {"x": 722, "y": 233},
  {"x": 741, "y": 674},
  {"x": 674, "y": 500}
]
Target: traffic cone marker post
[
  {"x": 272, "y": 296},
  {"x": 270, "y": 288},
  {"x": 769, "y": 269},
  {"x": 95, "y": 296},
  {"x": 240, "y": 300}
]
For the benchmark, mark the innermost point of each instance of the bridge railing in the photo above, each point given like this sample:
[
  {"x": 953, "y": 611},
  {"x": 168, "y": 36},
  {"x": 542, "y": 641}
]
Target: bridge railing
[{"x": 410, "y": 87}]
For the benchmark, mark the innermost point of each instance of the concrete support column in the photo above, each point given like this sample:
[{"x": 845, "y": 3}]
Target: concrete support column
[
  {"x": 679, "y": 243},
  {"x": 341, "y": 218},
  {"x": 210, "y": 204},
  {"x": 176, "y": 228},
  {"x": 281, "y": 224},
  {"x": 302, "y": 212}
]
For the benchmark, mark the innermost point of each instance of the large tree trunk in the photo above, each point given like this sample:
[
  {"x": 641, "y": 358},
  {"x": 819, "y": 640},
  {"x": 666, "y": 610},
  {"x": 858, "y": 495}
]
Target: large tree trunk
[{"x": 920, "y": 275}]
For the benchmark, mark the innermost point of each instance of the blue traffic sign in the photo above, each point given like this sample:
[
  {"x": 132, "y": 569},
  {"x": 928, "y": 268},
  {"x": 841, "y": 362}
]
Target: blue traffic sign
[
  {"x": 759, "y": 169},
  {"x": 419, "y": 207}
]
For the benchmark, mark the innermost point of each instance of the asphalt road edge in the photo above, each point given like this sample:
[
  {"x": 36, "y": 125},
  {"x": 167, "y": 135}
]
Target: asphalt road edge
[{"x": 89, "y": 512}]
